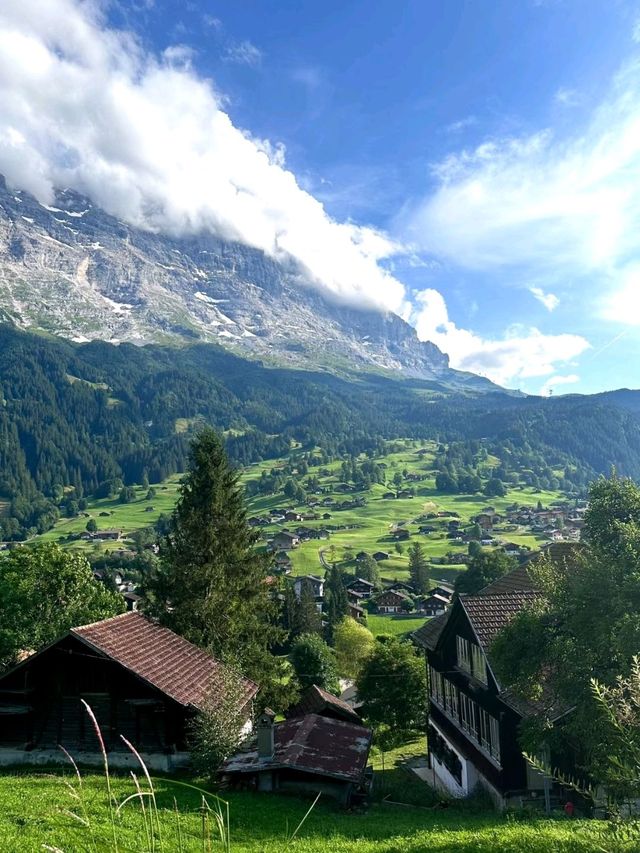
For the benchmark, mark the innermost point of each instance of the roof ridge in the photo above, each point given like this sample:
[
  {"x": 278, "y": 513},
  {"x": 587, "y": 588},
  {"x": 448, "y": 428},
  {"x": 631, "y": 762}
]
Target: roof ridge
[{"x": 110, "y": 619}]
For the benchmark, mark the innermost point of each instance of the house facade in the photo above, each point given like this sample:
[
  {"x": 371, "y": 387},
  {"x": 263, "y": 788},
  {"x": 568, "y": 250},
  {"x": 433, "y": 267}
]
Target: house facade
[
  {"x": 141, "y": 681},
  {"x": 473, "y": 720},
  {"x": 391, "y": 601},
  {"x": 363, "y": 587}
]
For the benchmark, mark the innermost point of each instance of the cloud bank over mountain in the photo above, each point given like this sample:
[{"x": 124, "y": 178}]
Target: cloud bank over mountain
[{"x": 148, "y": 140}]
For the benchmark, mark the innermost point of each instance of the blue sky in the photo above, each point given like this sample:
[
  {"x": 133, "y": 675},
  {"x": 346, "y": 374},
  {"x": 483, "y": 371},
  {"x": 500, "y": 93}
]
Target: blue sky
[{"x": 483, "y": 157}]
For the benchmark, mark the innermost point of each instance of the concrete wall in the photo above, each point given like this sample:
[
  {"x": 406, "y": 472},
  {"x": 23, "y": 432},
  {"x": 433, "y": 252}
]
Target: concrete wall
[{"x": 41, "y": 757}]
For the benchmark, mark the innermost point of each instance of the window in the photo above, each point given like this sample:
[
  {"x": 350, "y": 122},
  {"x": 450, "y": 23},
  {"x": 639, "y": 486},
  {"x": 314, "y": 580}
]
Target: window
[
  {"x": 465, "y": 712},
  {"x": 454, "y": 701},
  {"x": 474, "y": 722},
  {"x": 443, "y": 753},
  {"x": 464, "y": 654},
  {"x": 495, "y": 738},
  {"x": 485, "y": 730},
  {"x": 478, "y": 664},
  {"x": 435, "y": 681},
  {"x": 480, "y": 726}
]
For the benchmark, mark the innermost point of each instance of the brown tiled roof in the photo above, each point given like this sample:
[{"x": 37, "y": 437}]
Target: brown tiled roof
[
  {"x": 428, "y": 635},
  {"x": 517, "y": 580},
  {"x": 318, "y": 701},
  {"x": 488, "y": 614},
  {"x": 163, "y": 659},
  {"x": 312, "y": 744}
]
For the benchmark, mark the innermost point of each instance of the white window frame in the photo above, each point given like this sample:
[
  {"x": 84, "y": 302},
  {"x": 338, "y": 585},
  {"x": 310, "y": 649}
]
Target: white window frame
[
  {"x": 465, "y": 711},
  {"x": 463, "y": 653},
  {"x": 478, "y": 663}
]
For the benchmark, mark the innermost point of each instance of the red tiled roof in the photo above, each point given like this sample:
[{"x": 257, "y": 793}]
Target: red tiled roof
[
  {"x": 155, "y": 654},
  {"x": 312, "y": 744},
  {"x": 316, "y": 701},
  {"x": 490, "y": 613}
]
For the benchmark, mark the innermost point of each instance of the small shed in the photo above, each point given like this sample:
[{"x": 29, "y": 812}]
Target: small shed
[{"x": 312, "y": 753}]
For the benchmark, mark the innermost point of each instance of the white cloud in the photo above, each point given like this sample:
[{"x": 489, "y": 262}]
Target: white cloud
[
  {"x": 523, "y": 353},
  {"x": 552, "y": 207},
  {"x": 461, "y": 124},
  {"x": 86, "y": 107},
  {"x": 552, "y": 383},
  {"x": 567, "y": 97},
  {"x": 622, "y": 305},
  {"x": 243, "y": 53},
  {"x": 549, "y": 300}
]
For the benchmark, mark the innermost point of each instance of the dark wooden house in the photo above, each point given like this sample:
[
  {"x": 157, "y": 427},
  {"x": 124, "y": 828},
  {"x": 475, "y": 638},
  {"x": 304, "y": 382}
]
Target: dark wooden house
[
  {"x": 363, "y": 587},
  {"x": 312, "y": 753},
  {"x": 392, "y": 601},
  {"x": 142, "y": 681},
  {"x": 474, "y": 719}
]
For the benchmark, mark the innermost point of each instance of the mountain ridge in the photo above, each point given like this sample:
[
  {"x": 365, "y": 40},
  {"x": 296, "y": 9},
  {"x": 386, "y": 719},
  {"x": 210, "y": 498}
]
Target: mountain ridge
[{"x": 73, "y": 270}]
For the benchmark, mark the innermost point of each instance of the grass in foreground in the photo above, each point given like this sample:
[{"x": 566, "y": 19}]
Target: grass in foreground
[{"x": 31, "y": 815}]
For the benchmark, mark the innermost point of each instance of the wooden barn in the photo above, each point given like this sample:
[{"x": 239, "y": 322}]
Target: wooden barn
[{"x": 142, "y": 681}]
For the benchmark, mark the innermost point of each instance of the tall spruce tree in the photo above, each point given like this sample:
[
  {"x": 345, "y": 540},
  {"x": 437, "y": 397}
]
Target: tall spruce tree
[
  {"x": 336, "y": 598},
  {"x": 418, "y": 568},
  {"x": 210, "y": 583}
]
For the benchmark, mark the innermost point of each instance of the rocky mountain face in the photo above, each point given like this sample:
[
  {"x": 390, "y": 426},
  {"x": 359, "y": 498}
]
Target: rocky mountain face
[{"x": 72, "y": 270}]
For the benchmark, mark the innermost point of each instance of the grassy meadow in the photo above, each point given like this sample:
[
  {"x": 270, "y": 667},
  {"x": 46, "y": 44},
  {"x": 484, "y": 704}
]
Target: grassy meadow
[
  {"x": 366, "y": 528},
  {"x": 404, "y": 816}
]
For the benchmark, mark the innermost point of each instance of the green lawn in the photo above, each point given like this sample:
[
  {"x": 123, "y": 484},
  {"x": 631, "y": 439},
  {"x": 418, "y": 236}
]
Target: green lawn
[
  {"x": 370, "y": 526},
  {"x": 394, "y": 625},
  {"x": 32, "y": 815},
  {"x": 126, "y": 517}
]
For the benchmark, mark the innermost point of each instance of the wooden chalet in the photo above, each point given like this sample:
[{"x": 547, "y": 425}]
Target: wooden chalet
[
  {"x": 285, "y": 541},
  {"x": 363, "y": 587},
  {"x": 474, "y": 719},
  {"x": 391, "y": 601},
  {"x": 311, "y": 582},
  {"x": 435, "y": 604},
  {"x": 141, "y": 681}
]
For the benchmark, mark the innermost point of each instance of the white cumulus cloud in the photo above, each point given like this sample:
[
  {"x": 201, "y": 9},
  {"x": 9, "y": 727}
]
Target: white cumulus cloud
[
  {"x": 84, "y": 106},
  {"x": 522, "y": 354},
  {"x": 554, "y": 381},
  {"x": 549, "y": 300},
  {"x": 556, "y": 207}
]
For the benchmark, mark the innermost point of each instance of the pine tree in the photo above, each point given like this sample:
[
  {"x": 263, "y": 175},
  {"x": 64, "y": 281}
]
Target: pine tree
[
  {"x": 336, "y": 599},
  {"x": 418, "y": 568},
  {"x": 209, "y": 586}
]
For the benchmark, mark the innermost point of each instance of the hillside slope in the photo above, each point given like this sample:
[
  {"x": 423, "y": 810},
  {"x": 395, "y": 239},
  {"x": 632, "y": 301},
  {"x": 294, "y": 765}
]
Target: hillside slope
[{"x": 82, "y": 414}]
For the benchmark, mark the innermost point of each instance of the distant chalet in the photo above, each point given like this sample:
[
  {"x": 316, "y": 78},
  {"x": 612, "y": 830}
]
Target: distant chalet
[{"x": 141, "y": 680}]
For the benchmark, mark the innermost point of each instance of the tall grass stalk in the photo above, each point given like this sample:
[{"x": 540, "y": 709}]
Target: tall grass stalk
[
  {"x": 105, "y": 763},
  {"x": 215, "y": 811}
]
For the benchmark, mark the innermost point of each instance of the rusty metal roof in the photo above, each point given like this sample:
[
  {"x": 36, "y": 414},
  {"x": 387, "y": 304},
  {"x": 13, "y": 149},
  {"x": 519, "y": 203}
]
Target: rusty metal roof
[
  {"x": 155, "y": 654},
  {"x": 318, "y": 701},
  {"x": 312, "y": 744}
]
